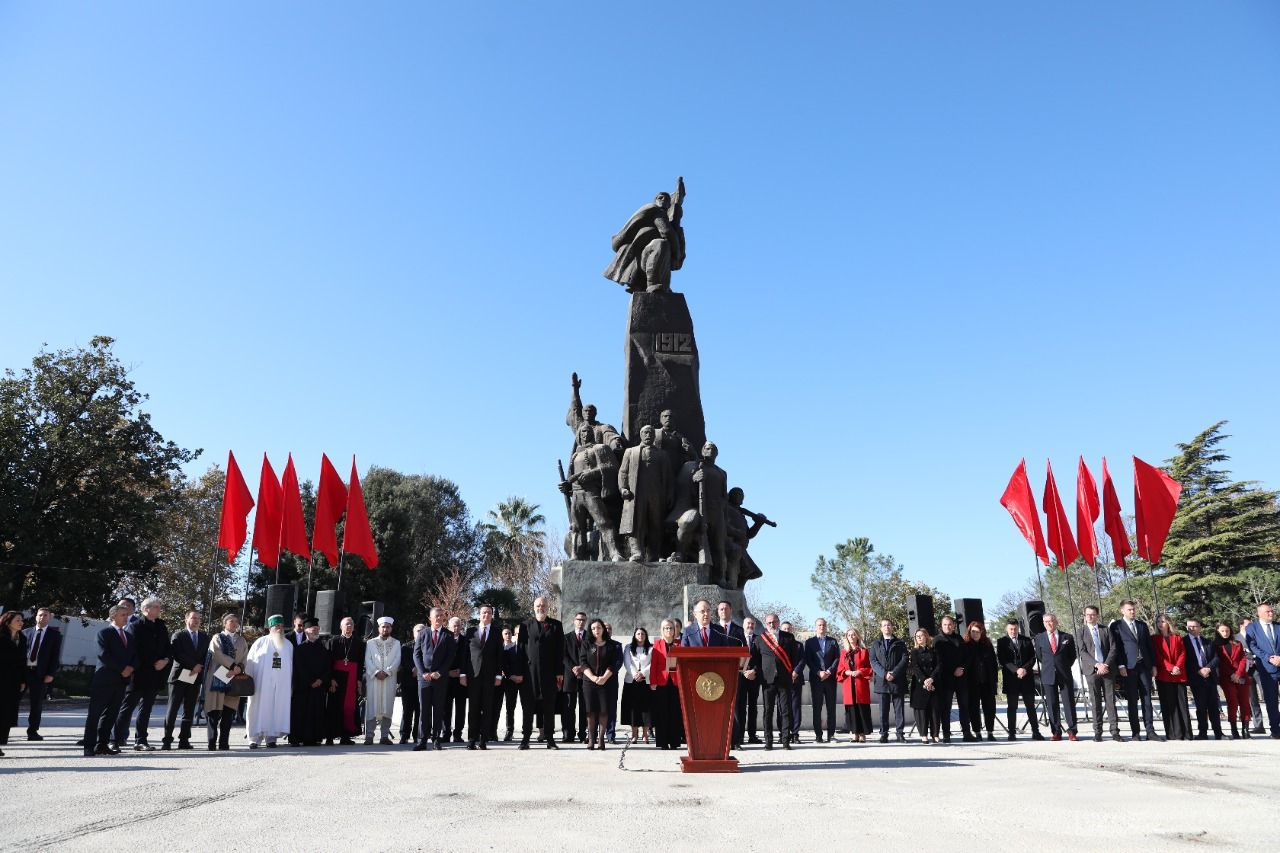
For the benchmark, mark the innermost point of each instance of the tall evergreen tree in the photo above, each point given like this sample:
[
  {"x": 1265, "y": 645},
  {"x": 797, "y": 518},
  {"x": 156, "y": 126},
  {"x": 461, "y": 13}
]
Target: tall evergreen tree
[{"x": 1223, "y": 550}]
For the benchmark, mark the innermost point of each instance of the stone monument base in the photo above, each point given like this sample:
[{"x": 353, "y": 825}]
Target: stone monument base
[{"x": 631, "y": 595}]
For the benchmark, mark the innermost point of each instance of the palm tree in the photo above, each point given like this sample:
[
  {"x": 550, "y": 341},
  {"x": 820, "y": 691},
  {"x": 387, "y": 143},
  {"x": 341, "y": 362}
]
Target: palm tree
[{"x": 514, "y": 540}]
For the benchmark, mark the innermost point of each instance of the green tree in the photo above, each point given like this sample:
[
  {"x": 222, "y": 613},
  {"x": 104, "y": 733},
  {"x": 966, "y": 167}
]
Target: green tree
[
  {"x": 1223, "y": 529},
  {"x": 86, "y": 482},
  {"x": 859, "y": 587},
  {"x": 505, "y": 604},
  {"x": 516, "y": 553}
]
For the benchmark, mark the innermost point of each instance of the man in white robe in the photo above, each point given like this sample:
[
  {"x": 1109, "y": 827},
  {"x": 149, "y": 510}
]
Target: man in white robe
[
  {"x": 270, "y": 662},
  {"x": 381, "y": 664}
]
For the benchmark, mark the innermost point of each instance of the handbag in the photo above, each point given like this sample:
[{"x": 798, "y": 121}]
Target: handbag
[{"x": 240, "y": 685}]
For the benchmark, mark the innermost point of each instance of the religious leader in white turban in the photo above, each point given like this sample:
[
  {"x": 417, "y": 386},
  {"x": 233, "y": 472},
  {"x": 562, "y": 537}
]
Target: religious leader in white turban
[
  {"x": 381, "y": 663},
  {"x": 270, "y": 663}
]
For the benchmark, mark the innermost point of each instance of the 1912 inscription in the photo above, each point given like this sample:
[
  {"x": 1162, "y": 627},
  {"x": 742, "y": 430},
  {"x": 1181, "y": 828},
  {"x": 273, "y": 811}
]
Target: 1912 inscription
[{"x": 675, "y": 342}]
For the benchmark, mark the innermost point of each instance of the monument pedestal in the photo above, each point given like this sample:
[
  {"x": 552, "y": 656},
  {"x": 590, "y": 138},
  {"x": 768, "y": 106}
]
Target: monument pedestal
[
  {"x": 632, "y": 595},
  {"x": 662, "y": 367}
]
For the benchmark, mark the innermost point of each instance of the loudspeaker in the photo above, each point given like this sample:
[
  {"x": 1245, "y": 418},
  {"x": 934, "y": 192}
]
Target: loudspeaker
[
  {"x": 920, "y": 615},
  {"x": 281, "y": 598},
  {"x": 331, "y": 607},
  {"x": 370, "y": 613},
  {"x": 968, "y": 610},
  {"x": 1031, "y": 614}
]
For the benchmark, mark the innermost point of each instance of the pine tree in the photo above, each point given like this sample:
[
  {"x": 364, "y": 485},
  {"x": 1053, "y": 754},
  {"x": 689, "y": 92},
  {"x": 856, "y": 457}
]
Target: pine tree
[{"x": 1223, "y": 550}]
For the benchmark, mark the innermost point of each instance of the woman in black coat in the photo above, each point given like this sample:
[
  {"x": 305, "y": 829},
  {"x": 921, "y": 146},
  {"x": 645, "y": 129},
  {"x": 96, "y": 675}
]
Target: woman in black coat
[
  {"x": 596, "y": 660},
  {"x": 13, "y": 671},
  {"x": 925, "y": 699},
  {"x": 981, "y": 676}
]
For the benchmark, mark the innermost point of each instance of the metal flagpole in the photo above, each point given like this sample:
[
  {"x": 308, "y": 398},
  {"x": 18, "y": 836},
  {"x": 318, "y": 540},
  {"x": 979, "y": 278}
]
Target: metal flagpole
[
  {"x": 244, "y": 606},
  {"x": 1079, "y": 663},
  {"x": 1039, "y": 578}
]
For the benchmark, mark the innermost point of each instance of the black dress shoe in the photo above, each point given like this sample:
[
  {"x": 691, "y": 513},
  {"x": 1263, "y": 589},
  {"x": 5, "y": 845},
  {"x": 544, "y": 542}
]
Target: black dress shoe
[
  {"x": 884, "y": 738},
  {"x": 439, "y": 746},
  {"x": 753, "y": 739},
  {"x": 1037, "y": 736},
  {"x": 817, "y": 738},
  {"x": 1097, "y": 738},
  {"x": 103, "y": 749},
  {"x": 471, "y": 745},
  {"x": 551, "y": 744},
  {"x": 34, "y": 736},
  {"x": 524, "y": 744},
  {"x": 346, "y": 741},
  {"x": 1013, "y": 736},
  {"x": 768, "y": 746},
  {"x": 900, "y": 738},
  {"x": 484, "y": 744},
  {"x": 420, "y": 747},
  {"x": 185, "y": 744},
  {"x": 786, "y": 744},
  {"x": 507, "y": 738}
]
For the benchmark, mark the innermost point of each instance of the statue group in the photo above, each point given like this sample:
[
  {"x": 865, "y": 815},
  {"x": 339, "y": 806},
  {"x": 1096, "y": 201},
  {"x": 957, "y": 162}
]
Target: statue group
[
  {"x": 650, "y": 494},
  {"x": 657, "y": 500}
]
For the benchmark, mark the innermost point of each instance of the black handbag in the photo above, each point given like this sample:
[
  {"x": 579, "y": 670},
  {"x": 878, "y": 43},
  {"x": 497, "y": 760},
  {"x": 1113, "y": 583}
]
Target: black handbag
[{"x": 240, "y": 685}]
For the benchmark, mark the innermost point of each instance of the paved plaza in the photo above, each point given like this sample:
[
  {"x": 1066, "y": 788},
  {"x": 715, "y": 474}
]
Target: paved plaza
[{"x": 1086, "y": 795}]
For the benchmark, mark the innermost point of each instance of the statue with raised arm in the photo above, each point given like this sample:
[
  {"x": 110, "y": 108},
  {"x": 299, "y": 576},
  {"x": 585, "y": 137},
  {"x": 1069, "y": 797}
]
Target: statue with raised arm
[
  {"x": 650, "y": 245},
  {"x": 593, "y": 480},
  {"x": 579, "y": 414}
]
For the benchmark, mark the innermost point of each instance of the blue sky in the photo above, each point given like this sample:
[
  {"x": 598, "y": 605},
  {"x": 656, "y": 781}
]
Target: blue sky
[{"x": 925, "y": 240}]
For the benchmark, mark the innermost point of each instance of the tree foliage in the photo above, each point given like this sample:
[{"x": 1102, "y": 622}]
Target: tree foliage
[
  {"x": 517, "y": 556},
  {"x": 859, "y": 587},
  {"x": 86, "y": 481}
]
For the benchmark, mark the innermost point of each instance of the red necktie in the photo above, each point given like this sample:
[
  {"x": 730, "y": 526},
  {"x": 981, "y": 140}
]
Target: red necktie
[
  {"x": 435, "y": 637},
  {"x": 704, "y": 637},
  {"x": 1053, "y": 642},
  {"x": 123, "y": 639}
]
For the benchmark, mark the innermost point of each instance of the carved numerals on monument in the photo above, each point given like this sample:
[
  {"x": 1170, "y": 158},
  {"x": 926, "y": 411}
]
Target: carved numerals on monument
[{"x": 673, "y": 342}]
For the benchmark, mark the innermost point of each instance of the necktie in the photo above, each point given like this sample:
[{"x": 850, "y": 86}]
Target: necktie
[
  {"x": 1097, "y": 643},
  {"x": 1199, "y": 654},
  {"x": 484, "y": 636},
  {"x": 195, "y": 644},
  {"x": 1270, "y": 636},
  {"x": 35, "y": 647},
  {"x": 704, "y": 637},
  {"x": 435, "y": 637},
  {"x": 122, "y": 637},
  {"x": 1053, "y": 642}
]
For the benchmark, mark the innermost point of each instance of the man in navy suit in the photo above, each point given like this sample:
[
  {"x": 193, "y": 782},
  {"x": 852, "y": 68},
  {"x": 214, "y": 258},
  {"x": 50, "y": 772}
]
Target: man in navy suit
[
  {"x": 821, "y": 655},
  {"x": 737, "y": 637},
  {"x": 1263, "y": 640},
  {"x": 889, "y": 666},
  {"x": 1057, "y": 654},
  {"x": 481, "y": 675},
  {"x": 189, "y": 646},
  {"x": 1202, "y": 676},
  {"x": 700, "y": 632},
  {"x": 117, "y": 660},
  {"x": 1137, "y": 661},
  {"x": 433, "y": 655},
  {"x": 44, "y": 654}
]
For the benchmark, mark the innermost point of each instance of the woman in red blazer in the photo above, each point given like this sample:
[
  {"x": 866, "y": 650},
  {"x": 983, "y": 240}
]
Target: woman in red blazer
[
  {"x": 1171, "y": 680},
  {"x": 853, "y": 673},
  {"x": 1233, "y": 675},
  {"x": 665, "y": 706}
]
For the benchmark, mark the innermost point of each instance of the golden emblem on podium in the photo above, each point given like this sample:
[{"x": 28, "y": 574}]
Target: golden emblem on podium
[{"x": 710, "y": 686}]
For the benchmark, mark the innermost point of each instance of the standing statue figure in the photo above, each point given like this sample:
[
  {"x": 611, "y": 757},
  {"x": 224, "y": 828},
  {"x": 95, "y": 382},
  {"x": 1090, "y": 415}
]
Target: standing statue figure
[
  {"x": 579, "y": 414},
  {"x": 593, "y": 477},
  {"x": 741, "y": 567},
  {"x": 645, "y": 481},
  {"x": 669, "y": 440},
  {"x": 650, "y": 245},
  {"x": 699, "y": 513}
]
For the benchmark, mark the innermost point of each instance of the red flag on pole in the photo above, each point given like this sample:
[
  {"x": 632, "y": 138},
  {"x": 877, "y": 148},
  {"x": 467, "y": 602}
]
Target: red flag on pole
[
  {"x": 1112, "y": 522},
  {"x": 1155, "y": 500},
  {"x": 293, "y": 528},
  {"x": 330, "y": 501},
  {"x": 266, "y": 524},
  {"x": 1059, "y": 529},
  {"x": 1021, "y": 503},
  {"x": 1087, "y": 512},
  {"x": 357, "y": 538},
  {"x": 236, "y": 503}
]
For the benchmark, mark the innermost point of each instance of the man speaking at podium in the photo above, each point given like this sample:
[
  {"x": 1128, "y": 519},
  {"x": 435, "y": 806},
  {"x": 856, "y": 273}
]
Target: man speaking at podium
[{"x": 701, "y": 633}]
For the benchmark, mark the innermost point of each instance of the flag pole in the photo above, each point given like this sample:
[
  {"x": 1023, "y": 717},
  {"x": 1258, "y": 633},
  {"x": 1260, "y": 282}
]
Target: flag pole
[
  {"x": 1039, "y": 578},
  {"x": 307, "y": 606},
  {"x": 1154, "y": 599},
  {"x": 341, "y": 559},
  {"x": 244, "y": 605}
]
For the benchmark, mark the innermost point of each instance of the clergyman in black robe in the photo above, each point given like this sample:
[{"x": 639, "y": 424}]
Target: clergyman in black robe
[{"x": 311, "y": 676}]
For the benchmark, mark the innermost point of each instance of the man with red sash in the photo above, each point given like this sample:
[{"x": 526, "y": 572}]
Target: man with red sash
[
  {"x": 771, "y": 663},
  {"x": 346, "y": 650}
]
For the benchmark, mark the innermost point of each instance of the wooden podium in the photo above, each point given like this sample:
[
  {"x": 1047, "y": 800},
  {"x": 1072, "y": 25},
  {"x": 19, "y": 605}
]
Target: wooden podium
[{"x": 708, "y": 689}]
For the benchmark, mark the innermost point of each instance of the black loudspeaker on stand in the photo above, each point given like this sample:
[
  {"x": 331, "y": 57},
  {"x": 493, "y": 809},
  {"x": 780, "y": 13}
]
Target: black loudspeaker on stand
[
  {"x": 281, "y": 598},
  {"x": 1031, "y": 613},
  {"x": 920, "y": 615},
  {"x": 331, "y": 607},
  {"x": 968, "y": 610}
]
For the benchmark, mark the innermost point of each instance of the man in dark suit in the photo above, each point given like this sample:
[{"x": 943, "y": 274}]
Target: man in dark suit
[
  {"x": 700, "y": 632},
  {"x": 189, "y": 647},
  {"x": 544, "y": 641},
  {"x": 749, "y": 690},
  {"x": 1262, "y": 639},
  {"x": 410, "y": 710},
  {"x": 1202, "y": 676},
  {"x": 481, "y": 676},
  {"x": 298, "y": 635},
  {"x": 117, "y": 660},
  {"x": 953, "y": 662},
  {"x": 151, "y": 642},
  {"x": 1135, "y": 661},
  {"x": 434, "y": 654},
  {"x": 725, "y": 625},
  {"x": 44, "y": 654},
  {"x": 1016, "y": 656},
  {"x": 796, "y": 651},
  {"x": 821, "y": 654},
  {"x": 1098, "y": 656},
  {"x": 572, "y": 683},
  {"x": 889, "y": 678},
  {"x": 771, "y": 664},
  {"x": 1057, "y": 654}
]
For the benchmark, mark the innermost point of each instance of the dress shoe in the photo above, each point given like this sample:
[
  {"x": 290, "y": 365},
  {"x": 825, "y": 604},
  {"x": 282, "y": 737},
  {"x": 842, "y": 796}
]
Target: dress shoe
[
  {"x": 524, "y": 743},
  {"x": 1072, "y": 737},
  {"x": 34, "y": 736},
  {"x": 900, "y": 737},
  {"x": 420, "y": 747},
  {"x": 346, "y": 741},
  {"x": 484, "y": 744},
  {"x": 253, "y": 745},
  {"x": 1097, "y": 738},
  {"x": 1217, "y": 735},
  {"x": 386, "y": 741},
  {"x": 439, "y": 746},
  {"x": 817, "y": 738},
  {"x": 884, "y": 738},
  {"x": 165, "y": 747},
  {"x": 213, "y": 746},
  {"x": 991, "y": 735},
  {"x": 368, "y": 741},
  {"x": 472, "y": 746},
  {"x": 1037, "y": 736},
  {"x": 404, "y": 739},
  {"x": 1257, "y": 730},
  {"x": 104, "y": 749},
  {"x": 507, "y": 738},
  {"x": 185, "y": 744},
  {"x": 1155, "y": 737},
  {"x": 754, "y": 739},
  {"x": 1275, "y": 735},
  {"x": 1013, "y": 736},
  {"x": 1054, "y": 737},
  {"x": 768, "y": 747},
  {"x": 1201, "y": 736},
  {"x": 786, "y": 745},
  {"x": 551, "y": 744},
  {"x": 1117, "y": 737}
]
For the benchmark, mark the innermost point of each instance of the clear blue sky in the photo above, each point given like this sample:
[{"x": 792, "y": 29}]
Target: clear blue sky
[{"x": 925, "y": 239}]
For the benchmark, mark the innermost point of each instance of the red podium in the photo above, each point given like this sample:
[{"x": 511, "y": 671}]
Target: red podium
[{"x": 708, "y": 688}]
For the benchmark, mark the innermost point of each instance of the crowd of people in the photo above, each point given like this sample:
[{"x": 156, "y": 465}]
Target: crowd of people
[{"x": 295, "y": 685}]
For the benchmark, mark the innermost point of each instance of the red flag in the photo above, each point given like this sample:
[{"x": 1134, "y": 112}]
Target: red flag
[
  {"x": 236, "y": 503},
  {"x": 1112, "y": 521},
  {"x": 1060, "y": 540},
  {"x": 1155, "y": 500},
  {"x": 1017, "y": 498},
  {"x": 293, "y": 529},
  {"x": 357, "y": 538},
  {"x": 330, "y": 500},
  {"x": 266, "y": 524},
  {"x": 1087, "y": 512}
]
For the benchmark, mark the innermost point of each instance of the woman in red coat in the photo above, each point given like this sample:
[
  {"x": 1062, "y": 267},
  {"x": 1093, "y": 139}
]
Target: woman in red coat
[
  {"x": 1233, "y": 675},
  {"x": 1171, "y": 680},
  {"x": 665, "y": 706},
  {"x": 853, "y": 673}
]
